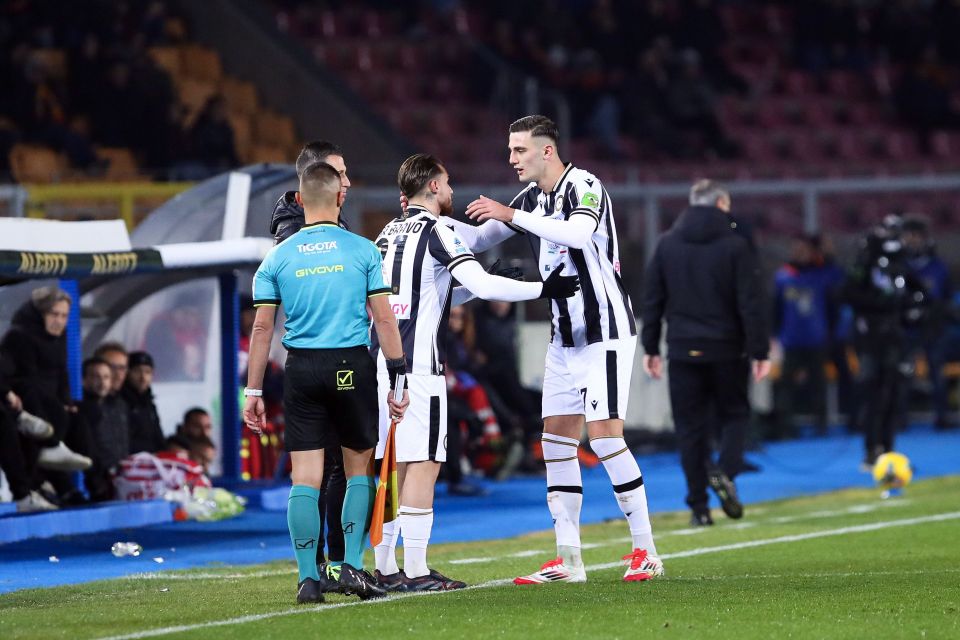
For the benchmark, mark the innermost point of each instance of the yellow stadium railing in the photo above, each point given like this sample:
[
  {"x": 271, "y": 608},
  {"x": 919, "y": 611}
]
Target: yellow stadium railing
[{"x": 123, "y": 196}]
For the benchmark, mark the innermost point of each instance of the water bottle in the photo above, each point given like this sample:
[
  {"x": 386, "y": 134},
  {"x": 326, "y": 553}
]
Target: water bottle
[{"x": 120, "y": 549}]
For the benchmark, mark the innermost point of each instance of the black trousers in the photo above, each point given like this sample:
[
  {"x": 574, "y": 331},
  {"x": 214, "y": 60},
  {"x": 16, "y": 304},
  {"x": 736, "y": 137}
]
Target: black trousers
[
  {"x": 333, "y": 488},
  {"x": 11, "y": 456},
  {"x": 880, "y": 380},
  {"x": 709, "y": 397}
]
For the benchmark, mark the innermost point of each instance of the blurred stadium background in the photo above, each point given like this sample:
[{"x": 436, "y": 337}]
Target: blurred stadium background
[{"x": 822, "y": 116}]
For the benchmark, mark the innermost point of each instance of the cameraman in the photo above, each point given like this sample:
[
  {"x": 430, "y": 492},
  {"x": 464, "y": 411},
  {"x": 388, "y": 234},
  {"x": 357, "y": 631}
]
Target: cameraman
[{"x": 886, "y": 297}]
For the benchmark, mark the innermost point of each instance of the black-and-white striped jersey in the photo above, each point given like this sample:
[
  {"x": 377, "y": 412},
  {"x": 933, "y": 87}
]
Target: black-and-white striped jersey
[
  {"x": 601, "y": 310},
  {"x": 419, "y": 250}
]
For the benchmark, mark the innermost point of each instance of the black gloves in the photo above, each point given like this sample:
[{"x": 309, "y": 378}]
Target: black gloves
[
  {"x": 396, "y": 367},
  {"x": 558, "y": 286},
  {"x": 514, "y": 273}
]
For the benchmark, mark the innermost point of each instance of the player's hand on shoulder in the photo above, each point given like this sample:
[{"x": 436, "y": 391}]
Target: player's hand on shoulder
[
  {"x": 397, "y": 409},
  {"x": 483, "y": 209},
  {"x": 404, "y": 202},
  {"x": 560, "y": 286},
  {"x": 254, "y": 414}
]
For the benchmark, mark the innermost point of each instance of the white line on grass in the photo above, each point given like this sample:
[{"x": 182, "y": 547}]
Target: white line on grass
[
  {"x": 855, "y": 509},
  {"x": 149, "y": 633}
]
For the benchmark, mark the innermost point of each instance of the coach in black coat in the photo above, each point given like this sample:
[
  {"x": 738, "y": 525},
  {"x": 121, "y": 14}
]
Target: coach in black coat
[{"x": 704, "y": 281}]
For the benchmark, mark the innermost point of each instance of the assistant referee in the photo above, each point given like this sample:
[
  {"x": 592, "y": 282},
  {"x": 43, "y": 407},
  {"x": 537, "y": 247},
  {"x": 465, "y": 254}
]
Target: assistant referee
[{"x": 325, "y": 277}]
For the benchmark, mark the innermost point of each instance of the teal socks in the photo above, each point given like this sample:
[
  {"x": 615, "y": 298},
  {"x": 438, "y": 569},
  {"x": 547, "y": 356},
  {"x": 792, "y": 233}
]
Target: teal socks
[
  {"x": 303, "y": 520},
  {"x": 357, "y": 509}
]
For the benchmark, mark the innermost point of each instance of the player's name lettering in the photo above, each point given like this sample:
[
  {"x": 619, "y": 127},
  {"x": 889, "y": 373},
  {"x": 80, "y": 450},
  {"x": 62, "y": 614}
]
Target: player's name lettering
[
  {"x": 414, "y": 226},
  {"x": 322, "y": 270},
  {"x": 43, "y": 263},
  {"x": 114, "y": 263},
  {"x": 317, "y": 247}
]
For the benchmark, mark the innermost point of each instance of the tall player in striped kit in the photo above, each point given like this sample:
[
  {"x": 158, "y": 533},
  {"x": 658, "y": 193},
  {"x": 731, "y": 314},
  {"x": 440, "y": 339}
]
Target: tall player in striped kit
[
  {"x": 422, "y": 255},
  {"x": 568, "y": 217}
]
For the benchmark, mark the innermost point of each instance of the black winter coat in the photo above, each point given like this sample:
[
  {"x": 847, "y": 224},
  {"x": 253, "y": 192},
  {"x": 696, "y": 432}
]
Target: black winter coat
[
  {"x": 35, "y": 364},
  {"x": 704, "y": 280},
  {"x": 143, "y": 421}
]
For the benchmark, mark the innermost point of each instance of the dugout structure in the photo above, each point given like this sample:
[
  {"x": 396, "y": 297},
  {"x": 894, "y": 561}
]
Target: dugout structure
[{"x": 172, "y": 287}]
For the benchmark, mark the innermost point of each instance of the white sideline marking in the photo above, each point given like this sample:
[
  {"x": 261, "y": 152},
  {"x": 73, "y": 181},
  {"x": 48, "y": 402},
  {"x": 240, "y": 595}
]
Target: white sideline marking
[
  {"x": 692, "y": 531},
  {"x": 149, "y": 633}
]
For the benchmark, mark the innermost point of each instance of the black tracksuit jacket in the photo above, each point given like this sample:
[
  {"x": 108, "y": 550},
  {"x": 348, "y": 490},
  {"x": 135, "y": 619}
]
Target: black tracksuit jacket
[{"x": 704, "y": 280}]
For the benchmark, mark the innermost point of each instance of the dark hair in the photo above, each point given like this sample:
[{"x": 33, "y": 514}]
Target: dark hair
[
  {"x": 93, "y": 362},
  {"x": 194, "y": 411},
  {"x": 108, "y": 347},
  {"x": 416, "y": 172},
  {"x": 319, "y": 185},
  {"x": 537, "y": 126},
  {"x": 315, "y": 151}
]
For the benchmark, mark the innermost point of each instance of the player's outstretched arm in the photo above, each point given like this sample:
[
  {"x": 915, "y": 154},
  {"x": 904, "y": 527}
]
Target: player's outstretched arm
[
  {"x": 491, "y": 287},
  {"x": 483, "y": 237},
  {"x": 575, "y": 232}
]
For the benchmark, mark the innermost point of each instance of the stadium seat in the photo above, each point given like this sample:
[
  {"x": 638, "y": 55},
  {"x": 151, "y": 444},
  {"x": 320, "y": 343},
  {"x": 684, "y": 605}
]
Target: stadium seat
[
  {"x": 201, "y": 63},
  {"x": 194, "y": 94},
  {"x": 242, "y": 133},
  {"x": 35, "y": 164},
  {"x": 168, "y": 59},
  {"x": 268, "y": 153},
  {"x": 271, "y": 128},
  {"x": 241, "y": 96}
]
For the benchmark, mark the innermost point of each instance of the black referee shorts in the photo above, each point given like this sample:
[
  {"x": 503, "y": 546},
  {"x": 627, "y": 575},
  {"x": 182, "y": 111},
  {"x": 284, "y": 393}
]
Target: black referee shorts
[{"x": 330, "y": 397}]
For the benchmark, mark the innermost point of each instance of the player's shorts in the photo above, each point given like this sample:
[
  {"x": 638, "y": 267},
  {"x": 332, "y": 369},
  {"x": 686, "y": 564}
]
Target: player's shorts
[
  {"x": 592, "y": 381},
  {"x": 330, "y": 395},
  {"x": 422, "y": 434}
]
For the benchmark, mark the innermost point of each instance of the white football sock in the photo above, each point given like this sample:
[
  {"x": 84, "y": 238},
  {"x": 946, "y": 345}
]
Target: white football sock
[
  {"x": 564, "y": 493},
  {"x": 386, "y": 552},
  {"x": 627, "y": 483},
  {"x": 415, "y": 527}
]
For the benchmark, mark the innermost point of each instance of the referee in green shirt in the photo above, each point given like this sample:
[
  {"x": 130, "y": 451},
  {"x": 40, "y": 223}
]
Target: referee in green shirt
[{"x": 326, "y": 278}]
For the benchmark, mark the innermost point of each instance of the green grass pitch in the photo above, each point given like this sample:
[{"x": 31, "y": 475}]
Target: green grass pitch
[{"x": 840, "y": 565}]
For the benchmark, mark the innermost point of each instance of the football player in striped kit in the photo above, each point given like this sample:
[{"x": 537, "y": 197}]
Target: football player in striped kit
[
  {"x": 422, "y": 254},
  {"x": 568, "y": 217}
]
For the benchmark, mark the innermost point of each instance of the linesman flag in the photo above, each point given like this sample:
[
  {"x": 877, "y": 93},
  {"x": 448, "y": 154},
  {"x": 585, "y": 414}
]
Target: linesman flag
[{"x": 386, "y": 501}]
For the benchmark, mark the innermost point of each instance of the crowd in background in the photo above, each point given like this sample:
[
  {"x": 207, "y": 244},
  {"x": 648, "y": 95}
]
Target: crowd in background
[
  {"x": 108, "y": 68},
  {"x": 46, "y": 436}
]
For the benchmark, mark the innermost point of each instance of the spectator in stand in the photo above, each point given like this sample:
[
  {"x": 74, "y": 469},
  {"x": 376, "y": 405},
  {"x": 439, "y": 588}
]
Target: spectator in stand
[
  {"x": 692, "y": 103},
  {"x": 143, "y": 420},
  {"x": 802, "y": 325},
  {"x": 34, "y": 351},
  {"x": 212, "y": 137},
  {"x": 100, "y": 433},
  {"x": 930, "y": 335}
]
